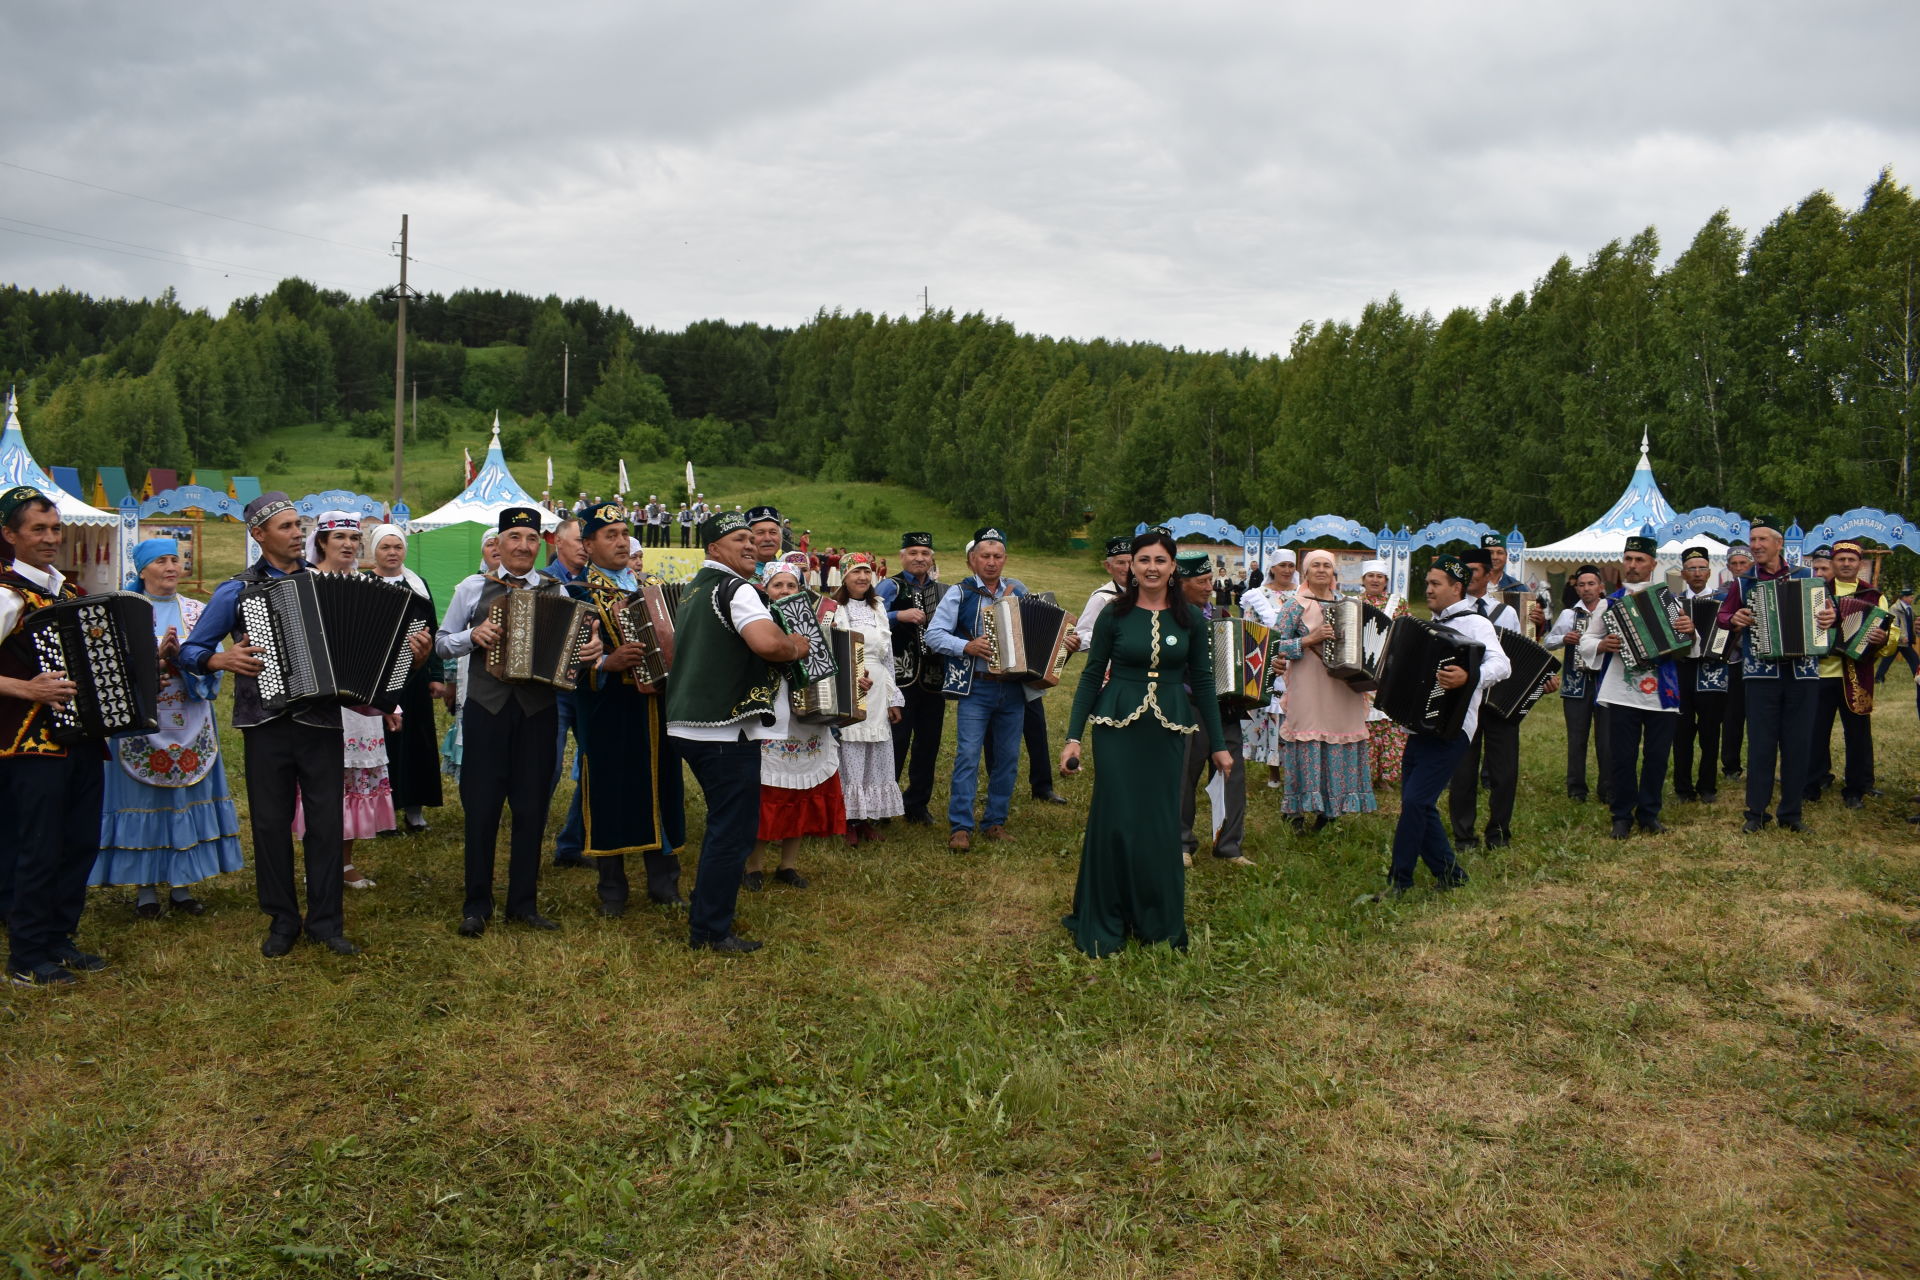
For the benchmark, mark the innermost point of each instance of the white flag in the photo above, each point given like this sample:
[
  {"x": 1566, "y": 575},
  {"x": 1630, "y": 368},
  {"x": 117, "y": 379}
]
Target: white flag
[
  {"x": 690, "y": 488},
  {"x": 549, "y": 473},
  {"x": 623, "y": 486}
]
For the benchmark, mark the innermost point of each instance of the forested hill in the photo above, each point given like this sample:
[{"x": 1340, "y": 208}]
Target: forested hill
[{"x": 1779, "y": 370}]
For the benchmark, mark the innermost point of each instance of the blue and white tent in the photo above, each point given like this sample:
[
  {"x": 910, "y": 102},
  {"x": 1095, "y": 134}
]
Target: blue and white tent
[
  {"x": 1640, "y": 507},
  {"x": 444, "y": 545}
]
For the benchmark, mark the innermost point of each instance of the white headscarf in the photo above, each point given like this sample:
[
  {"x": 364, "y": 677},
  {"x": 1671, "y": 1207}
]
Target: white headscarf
[
  {"x": 407, "y": 575},
  {"x": 326, "y": 521},
  {"x": 1374, "y": 566},
  {"x": 491, "y": 535}
]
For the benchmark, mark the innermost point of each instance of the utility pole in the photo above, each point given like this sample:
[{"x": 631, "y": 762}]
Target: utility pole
[
  {"x": 415, "y": 428},
  {"x": 926, "y": 301},
  {"x": 566, "y": 367},
  {"x": 401, "y": 294}
]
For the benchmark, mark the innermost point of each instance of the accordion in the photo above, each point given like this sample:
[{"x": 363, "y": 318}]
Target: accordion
[
  {"x": 645, "y": 618},
  {"x": 1853, "y": 629},
  {"x": 1243, "y": 666},
  {"x": 796, "y": 616},
  {"x": 105, "y": 646},
  {"x": 834, "y": 700},
  {"x": 910, "y": 660},
  {"x": 541, "y": 635},
  {"x": 1409, "y": 693},
  {"x": 1358, "y": 642},
  {"x": 1533, "y": 666},
  {"x": 1029, "y": 638},
  {"x": 1709, "y": 640},
  {"x": 1644, "y": 622},
  {"x": 1783, "y": 621},
  {"x": 331, "y": 637}
]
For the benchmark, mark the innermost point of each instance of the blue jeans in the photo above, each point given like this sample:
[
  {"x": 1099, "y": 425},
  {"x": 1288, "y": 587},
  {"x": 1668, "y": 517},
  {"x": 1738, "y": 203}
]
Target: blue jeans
[
  {"x": 1426, "y": 771},
  {"x": 995, "y": 712},
  {"x": 571, "y": 845},
  {"x": 729, "y": 777}
]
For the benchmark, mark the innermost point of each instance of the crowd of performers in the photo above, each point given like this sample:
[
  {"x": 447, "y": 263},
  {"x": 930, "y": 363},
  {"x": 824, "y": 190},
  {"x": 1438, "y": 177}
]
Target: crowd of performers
[{"x": 153, "y": 811}]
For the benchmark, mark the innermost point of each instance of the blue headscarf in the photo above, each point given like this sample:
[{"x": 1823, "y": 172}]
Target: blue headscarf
[{"x": 145, "y": 553}]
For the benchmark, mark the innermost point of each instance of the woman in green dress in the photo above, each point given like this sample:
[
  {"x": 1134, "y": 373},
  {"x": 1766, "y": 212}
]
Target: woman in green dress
[{"x": 1149, "y": 648}]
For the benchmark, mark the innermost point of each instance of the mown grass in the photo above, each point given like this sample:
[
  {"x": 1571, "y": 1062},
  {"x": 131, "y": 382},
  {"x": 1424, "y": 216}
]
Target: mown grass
[{"x": 1690, "y": 1056}]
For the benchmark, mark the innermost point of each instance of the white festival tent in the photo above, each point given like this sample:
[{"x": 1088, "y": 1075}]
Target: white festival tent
[
  {"x": 1640, "y": 506},
  {"x": 91, "y": 553},
  {"x": 445, "y": 543}
]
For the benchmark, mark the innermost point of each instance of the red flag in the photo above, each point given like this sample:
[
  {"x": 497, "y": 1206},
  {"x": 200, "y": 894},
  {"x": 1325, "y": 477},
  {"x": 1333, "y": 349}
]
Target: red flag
[{"x": 470, "y": 472}]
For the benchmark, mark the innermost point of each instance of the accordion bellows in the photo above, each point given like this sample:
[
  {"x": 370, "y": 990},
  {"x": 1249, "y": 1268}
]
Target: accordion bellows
[
  {"x": 1359, "y": 642},
  {"x": 646, "y": 618},
  {"x": 1409, "y": 693},
  {"x": 105, "y": 645},
  {"x": 541, "y": 636},
  {"x": 1533, "y": 666},
  {"x": 1783, "y": 618},
  {"x": 1644, "y": 622},
  {"x": 330, "y": 637},
  {"x": 836, "y": 699},
  {"x": 1029, "y": 638}
]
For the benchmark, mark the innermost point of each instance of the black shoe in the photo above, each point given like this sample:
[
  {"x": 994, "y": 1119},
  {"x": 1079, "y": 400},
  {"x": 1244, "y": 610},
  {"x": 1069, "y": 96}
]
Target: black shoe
[
  {"x": 1793, "y": 824},
  {"x": 1466, "y": 842},
  {"x": 44, "y": 974},
  {"x": 189, "y": 906},
  {"x": 1298, "y": 821},
  {"x": 473, "y": 926},
  {"x": 1709, "y": 797},
  {"x": 1733, "y": 774},
  {"x": 415, "y": 828},
  {"x": 1450, "y": 883},
  {"x": 1578, "y": 797},
  {"x": 1048, "y": 797},
  {"x": 576, "y": 863},
  {"x": 675, "y": 901},
  {"x": 753, "y": 881},
  {"x": 1498, "y": 839},
  {"x": 147, "y": 910},
  {"x": 613, "y": 910},
  {"x": 534, "y": 920},
  {"x": 919, "y": 816},
  {"x": 72, "y": 957},
  {"x": 1321, "y": 822},
  {"x": 1752, "y": 825},
  {"x": 731, "y": 945},
  {"x": 1689, "y": 796},
  {"x": 1622, "y": 828},
  {"x": 1854, "y": 802},
  {"x": 789, "y": 876},
  {"x": 277, "y": 945},
  {"x": 1391, "y": 894},
  {"x": 338, "y": 945},
  {"x": 1915, "y": 818},
  {"x": 1654, "y": 828},
  {"x": 391, "y": 833}
]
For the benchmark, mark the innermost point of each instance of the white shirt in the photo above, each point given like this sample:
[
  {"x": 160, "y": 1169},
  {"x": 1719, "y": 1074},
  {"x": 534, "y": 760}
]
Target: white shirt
[
  {"x": 1466, "y": 622},
  {"x": 11, "y": 603},
  {"x": 747, "y": 608},
  {"x": 1501, "y": 615},
  {"x": 455, "y": 637},
  {"x": 1102, "y": 597},
  {"x": 1617, "y": 687}
]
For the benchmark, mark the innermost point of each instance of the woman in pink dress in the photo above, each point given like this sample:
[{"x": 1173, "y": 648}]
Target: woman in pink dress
[{"x": 1323, "y": 740}]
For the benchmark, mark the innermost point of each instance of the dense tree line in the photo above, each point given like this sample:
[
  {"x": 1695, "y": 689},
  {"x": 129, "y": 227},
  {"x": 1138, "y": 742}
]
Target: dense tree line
[{"x": 1778, "y": 371}]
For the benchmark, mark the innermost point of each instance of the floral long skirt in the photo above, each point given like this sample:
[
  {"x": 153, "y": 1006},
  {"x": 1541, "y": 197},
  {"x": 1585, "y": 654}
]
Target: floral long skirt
[
  {"x": 1388, "y": 742},
  {"x": 1326, "y": 777}
]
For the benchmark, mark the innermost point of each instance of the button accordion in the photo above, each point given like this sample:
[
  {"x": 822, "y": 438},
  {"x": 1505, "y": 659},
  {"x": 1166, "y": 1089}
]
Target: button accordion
[
  {"x": 330, "y": 637},
  {"x": 646, "y": 618},
  {"x": 1028, "y": 635},
  {"x": 105, "y": 646},
  {"x": 911, "y": 664},
  {"x": 1783, "y": 618},
  {"x": 1709, "y": 639},
  {"x": 836, "y": 699},
  {"x": 1358, "y": 643},
  {"x": 1644, "y": 622},
  {"x": 1409, "y": 693},
  {"x": 1853, "y": 628},
  {"x": 1243, "y": 664},
  {"x": 1533, "y": 666},
  {"x": 541, "y": 635},
  {"x": 796, "y": 616}
]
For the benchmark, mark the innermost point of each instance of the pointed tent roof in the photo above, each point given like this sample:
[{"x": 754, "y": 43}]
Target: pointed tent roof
[
  {"x": 493, "y": 489},
  {"x": 18, "y": 467},
  {"x": 1640, "y": 506}
]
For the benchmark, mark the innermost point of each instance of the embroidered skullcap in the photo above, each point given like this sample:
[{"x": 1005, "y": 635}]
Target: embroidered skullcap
[
  {"x": 1492, "y": 542},
  {"x": 266, "y": 507},
  {"x": 916, "y": 538},
  {"x": 594, "y": 519},
  {"x": 1694, "y": 553},
  {"x": 1821, "y": 552},
  {"x": 1643, "y": 541},
  {"x": 718, "y": 526},
  {"x": 1593, "y": 569},
  {"x": 1192, "y": 564},
  {"x": 774, "y": 568},
  {"x": 1847, "y": 544},
  {"x": 762, "y": 514},
  {"x": 1454, "y": 567},
  {"x": 988, "y": 534},
  {"x": 1120, "y": 544},
  {"x": 519, "y": 518}
]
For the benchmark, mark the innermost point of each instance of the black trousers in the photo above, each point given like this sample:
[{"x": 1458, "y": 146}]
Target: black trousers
[
  {"x": 663, "y": 876},
  {"x": 916, "y": 743},
  {"x": 686, "y": 536},
  {"x": 1779, "y": 729},
  {"x": 1033, "y": 737},
  {"x": 1702, "y": 716},
  {"x": 1641, "y": 746},
  {"x": 1856, "y": 732},
  {"x": 1585, "y": 718},
  {"x": 53, "y": 810},
  {"x": 508, "y": 759},
  {"x": 283, "y": 754},
  {"x": 1733, "y": 725},
  {"x": 729, "y": 777},
  {"x": 1496, "y": 749},
  {"x": 1233, "y": 827}
]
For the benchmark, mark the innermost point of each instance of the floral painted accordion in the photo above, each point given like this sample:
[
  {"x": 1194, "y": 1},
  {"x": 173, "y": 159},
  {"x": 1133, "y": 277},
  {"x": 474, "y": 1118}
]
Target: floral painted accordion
[
  {"x": 330, "y": 637},
  {"x": 1533, "y": 666},
  {"x": 797, "y": 617},
  {"x": 105, "y": 646},
  {"x": 1243, "y": 664},
  {"x": 1783, "y": 618},
  {"x": 1358, "y": 643},
  {"x": 646, "y": 618},
  {"x": 1644, "y": 622},
  {"x": 541, "y": 635},
  {"x": 1409, "y": 693},
  {"x": 1029, "y": 638},
  {"x": 836, "y": 699}
]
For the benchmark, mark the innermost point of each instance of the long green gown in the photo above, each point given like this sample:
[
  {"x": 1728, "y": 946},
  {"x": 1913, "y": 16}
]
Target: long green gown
[{"x": 1132, "y": 880}]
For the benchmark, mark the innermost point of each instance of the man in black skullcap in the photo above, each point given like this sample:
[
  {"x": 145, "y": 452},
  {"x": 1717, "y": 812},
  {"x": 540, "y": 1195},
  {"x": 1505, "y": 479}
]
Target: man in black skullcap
[
  {"x": 1579, "y": 692},
  {"x": 1492, "y": 759},
  {"x": 509, "y": 731},
  {"x": 910, "y": 597}
]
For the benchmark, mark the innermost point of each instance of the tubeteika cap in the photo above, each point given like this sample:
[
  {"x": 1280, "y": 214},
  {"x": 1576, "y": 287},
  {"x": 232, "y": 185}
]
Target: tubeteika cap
[
  {"x": 916, "y": 538},
  {"x": 1454, "y": 567},
  {"x": 762, "y": 514},
  {"x": 1120, "y": 544},
  {"x": 1493, "y": 542},
  {"x": 1476, "y": 556},
  {"x": 266, "y": 507},
  {"x": 1192, "y": 564},
  {"x": 1694, "y": 553},
  {"x": 719, "y": 525},
  {"x": 1821, "y": 552},
  {"x": 21, "y": 494},
  {"x": 519, "y": 518},
  {"x": 1848, "y": 544},
  {"x": 1643, "y": 542},
  {"x": 1593, "y": 569},
  {"x": 990, "y": 533},
  {"x": 594, "y": 519}
]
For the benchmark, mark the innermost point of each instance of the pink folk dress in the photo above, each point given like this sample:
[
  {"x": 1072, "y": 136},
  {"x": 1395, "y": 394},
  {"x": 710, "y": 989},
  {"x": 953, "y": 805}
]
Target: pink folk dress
[{"x": 1323, "y": 739}]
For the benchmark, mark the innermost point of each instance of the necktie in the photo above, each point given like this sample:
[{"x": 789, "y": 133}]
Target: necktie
[{"x": 1481, "y": 605}]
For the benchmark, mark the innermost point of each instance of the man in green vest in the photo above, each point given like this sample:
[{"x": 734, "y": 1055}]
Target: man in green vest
[{"x": 726, "y": 697}]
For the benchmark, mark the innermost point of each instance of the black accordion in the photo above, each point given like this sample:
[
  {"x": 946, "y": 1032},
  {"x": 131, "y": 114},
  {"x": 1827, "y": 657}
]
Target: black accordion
[
  {"x": 541, "y": 635},
  {"x": 1644, "y": 622},
  {"x": 1358, "y": 643},
  {"x": 911, "y": 662},
  {"x": 834, "y": 700},
  {"x": 105, "y": 646},
  {"x": 1709, "y": 640},
  {"x": 1029, "y": 638},
  {"x": 1533, "y": 666},
  {"x": 331, "y": 637},
  {"x": 1783, "y": 618},
  {"x": 796, "y": 616},
  {"x": 1409, "y": 693}
]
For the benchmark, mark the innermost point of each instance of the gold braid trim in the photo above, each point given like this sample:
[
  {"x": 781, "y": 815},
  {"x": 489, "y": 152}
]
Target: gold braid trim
[{"x": 1151, "y": 700}]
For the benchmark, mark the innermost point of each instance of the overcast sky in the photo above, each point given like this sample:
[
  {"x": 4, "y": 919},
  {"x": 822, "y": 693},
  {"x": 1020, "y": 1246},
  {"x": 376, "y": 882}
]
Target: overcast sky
[{"x": 1212, "y": 175}]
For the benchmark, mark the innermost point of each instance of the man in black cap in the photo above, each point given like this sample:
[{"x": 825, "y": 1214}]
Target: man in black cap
[
  {"x": 910, "y": 598},
  {"x": 1498, "y": 579},
  {"x": 509, "y": 731},
  {"x": 1579, "y": 691},
  {"x": 1193, "y": 571},
  {"x": 1493, "y": 755},
  {"x": 764, "y": 523},
  {"x": 1119, "y": 567},
  {"x": 1643, "y": 703},
  {"x": 1703, "y": 695},
  {"x": 50, "y": 835}
]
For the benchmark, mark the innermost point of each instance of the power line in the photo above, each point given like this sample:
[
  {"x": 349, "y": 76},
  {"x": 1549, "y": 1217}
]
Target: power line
[
  {"x": 171, "y": 262},
  {"x": 187, "y": 259}
]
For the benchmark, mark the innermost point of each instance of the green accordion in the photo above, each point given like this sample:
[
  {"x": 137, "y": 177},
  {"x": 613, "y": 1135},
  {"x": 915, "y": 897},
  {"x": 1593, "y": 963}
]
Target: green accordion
[
  {"x": 1854, "y": 629},
  {"x": 1784, "y": 625}
]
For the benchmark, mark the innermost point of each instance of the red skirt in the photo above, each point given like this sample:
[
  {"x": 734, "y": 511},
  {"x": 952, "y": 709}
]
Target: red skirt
[{"x": 818, "y": 811}]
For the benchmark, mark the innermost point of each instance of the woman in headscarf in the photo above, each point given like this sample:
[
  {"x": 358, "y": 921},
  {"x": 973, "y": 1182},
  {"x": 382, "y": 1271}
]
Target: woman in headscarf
[
  {"x": 867, "y": 779},
  {"x": 413, "y": 762},
  {"x": 1262, "y": 604},
  {"x": 1386, "y": 741},
  {"x": 456, "y": 690},
  {"x": 800, "y": 792},
  {"x": 166, "y": 816},
  {"x": 367, "y": 794},
  {"x": 1323, "y": 740}
]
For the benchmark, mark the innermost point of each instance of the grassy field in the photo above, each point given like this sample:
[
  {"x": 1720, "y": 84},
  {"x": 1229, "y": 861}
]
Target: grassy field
[{"x": 1685, "y": 1056}]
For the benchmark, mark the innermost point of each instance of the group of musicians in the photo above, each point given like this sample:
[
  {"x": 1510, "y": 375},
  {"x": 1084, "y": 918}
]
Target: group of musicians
[{"x": 729, "y": 691}]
